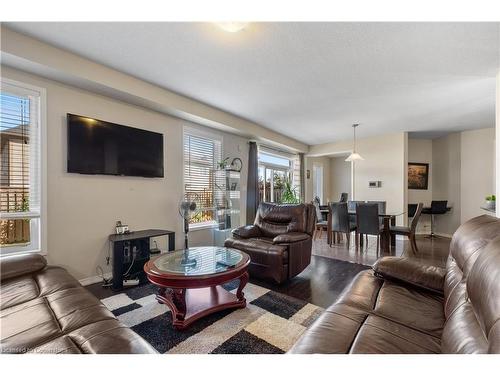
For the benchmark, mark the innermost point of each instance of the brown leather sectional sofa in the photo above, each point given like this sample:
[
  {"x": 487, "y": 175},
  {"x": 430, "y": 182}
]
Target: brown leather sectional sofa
[
  {"x": 405, "y": 306},
  {"x": 45, "y": 310},
  {"x": 279, "y": 242}
]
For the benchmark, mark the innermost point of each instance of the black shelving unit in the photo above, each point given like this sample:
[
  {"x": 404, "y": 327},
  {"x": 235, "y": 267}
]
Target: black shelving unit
[{"x": 123, "y": 253}]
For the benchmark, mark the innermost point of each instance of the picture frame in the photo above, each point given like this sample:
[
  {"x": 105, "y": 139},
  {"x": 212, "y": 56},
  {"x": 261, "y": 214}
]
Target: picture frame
[{"x": 418, "y": 176}]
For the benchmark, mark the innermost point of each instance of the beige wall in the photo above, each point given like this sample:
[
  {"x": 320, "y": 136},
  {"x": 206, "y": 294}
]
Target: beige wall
[
  {"x": 385, "y": 160},
  {"x": 420, "y": 151},
  {"x": 477, "y": 170},
  {"x": 82, "y": 209},
  {"x": 340, "y": 177},
  {"x": 446, "y": 176}
]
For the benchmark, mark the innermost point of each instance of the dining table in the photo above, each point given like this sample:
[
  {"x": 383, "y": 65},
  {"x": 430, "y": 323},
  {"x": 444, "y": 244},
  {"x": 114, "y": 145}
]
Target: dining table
[{"x": 387, "y": 240}]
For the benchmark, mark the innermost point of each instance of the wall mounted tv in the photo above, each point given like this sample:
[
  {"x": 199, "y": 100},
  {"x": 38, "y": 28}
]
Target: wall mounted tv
[{"x": 100, "y": 147}]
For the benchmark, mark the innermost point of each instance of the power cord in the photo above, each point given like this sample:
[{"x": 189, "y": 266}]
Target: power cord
[
  {"x": 131, "y": 264},
  {"x": 105, "y": 281}
]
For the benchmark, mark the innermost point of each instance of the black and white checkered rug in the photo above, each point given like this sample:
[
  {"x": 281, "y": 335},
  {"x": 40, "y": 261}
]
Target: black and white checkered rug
[{"x": 271, "y": 322}]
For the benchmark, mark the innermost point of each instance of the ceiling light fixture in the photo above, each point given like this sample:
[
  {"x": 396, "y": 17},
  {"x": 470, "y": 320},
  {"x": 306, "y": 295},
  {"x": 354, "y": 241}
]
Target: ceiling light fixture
[
  {"x": 354, "y": 155},
  {"x": 232, "y": 27}
]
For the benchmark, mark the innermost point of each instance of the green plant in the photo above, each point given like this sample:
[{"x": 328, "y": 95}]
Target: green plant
[
  {"x": 289, "y": 194},
  {"x": 223, "y": 163},
  {"x": 492, "y": 198}
]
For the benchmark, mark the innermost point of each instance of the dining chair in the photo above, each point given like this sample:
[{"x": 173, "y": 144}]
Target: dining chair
[
  {"x": 381, "y": 206},
  {"x": 344, "y": 197},
  {"x": 412, "y": 209},
  {"x": 321, "y": 225},
  {"x": 436, "y": 208},
  {"x": 340, "y": 222},
  {"x": 381, "y": 210},
  {"x": 367, "y": 222},
  {"x": 351, "y": 205},
  {"x": 411, "y": 230}
]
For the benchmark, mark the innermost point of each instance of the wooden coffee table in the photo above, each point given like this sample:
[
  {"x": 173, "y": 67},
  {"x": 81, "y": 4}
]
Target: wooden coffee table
[{"x": 190, "y": 281}]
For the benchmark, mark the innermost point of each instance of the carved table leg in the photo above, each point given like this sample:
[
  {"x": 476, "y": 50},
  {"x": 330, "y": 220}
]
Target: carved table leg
[
  {"x": 243, "y": 282},
  {"x": 175, "y": 299}
]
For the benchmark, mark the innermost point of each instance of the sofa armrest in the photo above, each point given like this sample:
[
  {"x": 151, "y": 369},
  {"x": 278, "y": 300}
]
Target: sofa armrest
[
  {"x": 291, "y": 237},
  {"x": 411, "y": 271},
  {"x": 248, "y": 231},
  {"x": 21, "y": 264}
]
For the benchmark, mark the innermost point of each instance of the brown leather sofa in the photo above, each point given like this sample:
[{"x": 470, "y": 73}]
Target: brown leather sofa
[
  {"x": 45, "y": 310},
  {"x": 406, "y": 306},
  {"x": 279, "y": 242}
]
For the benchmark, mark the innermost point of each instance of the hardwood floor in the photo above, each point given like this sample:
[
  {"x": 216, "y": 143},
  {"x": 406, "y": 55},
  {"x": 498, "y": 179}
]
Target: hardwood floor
[
  {"x": 333, "y": 268},
  {"x": 433, "y": 250}
]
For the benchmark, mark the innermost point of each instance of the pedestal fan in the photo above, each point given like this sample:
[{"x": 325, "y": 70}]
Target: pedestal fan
[{"x": 189, "y": 206}]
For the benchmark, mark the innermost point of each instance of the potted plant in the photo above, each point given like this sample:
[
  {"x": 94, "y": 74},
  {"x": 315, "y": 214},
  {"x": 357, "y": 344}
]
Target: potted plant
[
  {"x": 491, "y": 201},
  {"x": 289, "y": 194},
  {"x": 223, "y": 164}
]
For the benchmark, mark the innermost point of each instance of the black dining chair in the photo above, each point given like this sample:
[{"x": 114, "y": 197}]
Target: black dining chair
[
  {"x": 321, "y": 225},
  {"x": 412, "y": 209},
  {"x": 344, "y": 197},
  {"x": 382, "y": 206},
  {"x": 340, "y": 222},
  {"x": 367, "y": 222},
  {"x": 436, "y": 208},
  {"x": 411, "y": 230},
  {"x": 351, "y": 205}
]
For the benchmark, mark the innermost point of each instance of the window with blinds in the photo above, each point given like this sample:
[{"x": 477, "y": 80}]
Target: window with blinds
[
  {"x": 19, "y": 169},
  {"x": 201, "y": 155}
]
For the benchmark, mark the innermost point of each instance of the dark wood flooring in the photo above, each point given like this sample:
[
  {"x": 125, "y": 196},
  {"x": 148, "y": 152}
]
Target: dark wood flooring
[{"x": 333, "y": 268}]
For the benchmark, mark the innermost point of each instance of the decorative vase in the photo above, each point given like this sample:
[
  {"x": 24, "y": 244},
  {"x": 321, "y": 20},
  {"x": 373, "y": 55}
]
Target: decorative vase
[{"x": 490, "y": 205}]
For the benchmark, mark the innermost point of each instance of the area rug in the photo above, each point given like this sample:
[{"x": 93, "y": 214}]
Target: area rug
[{"x": 270, "y": 324}]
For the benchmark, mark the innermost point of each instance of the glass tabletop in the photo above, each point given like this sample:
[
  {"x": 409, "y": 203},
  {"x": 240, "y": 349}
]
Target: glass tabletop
[{"x": 196, "y": 261}]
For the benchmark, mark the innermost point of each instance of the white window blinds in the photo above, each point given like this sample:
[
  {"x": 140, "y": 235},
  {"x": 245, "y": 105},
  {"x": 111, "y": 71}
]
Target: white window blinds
[
  {"x": 201, "y": 155},
  {"x": 20, "y": 184}
]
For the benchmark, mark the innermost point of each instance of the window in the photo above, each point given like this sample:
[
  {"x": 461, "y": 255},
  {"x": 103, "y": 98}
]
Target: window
[
  {"x": 318, "y": 182},
  {"x": 276, "y": 170},
  {"x": 201, "y": 155},
  {"x": 20, "y": 168}
]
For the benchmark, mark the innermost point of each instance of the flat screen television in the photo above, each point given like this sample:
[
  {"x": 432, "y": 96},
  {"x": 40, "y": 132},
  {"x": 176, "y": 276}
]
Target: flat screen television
[{"x": 100, "y": 147}]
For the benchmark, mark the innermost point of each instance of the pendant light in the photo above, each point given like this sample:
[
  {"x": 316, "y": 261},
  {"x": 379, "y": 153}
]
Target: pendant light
[{"x": 354, "y": 155}]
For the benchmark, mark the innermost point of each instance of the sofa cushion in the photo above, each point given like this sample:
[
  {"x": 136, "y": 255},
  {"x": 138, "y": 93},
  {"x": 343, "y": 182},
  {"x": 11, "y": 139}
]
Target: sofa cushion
[
  {"x": 27, "y": 325},
  {"x": 259, "y": 249},
  {"x": 18, "y": 290},
  {"x": 414, "y": 308},
  {"x": 412, "y": 271},
  {"x": 76, "y": 307},
  {"x": 21, "y": 264},
  {"x": 110, "y": 337},
  {"x": 276, "y": 219},
  {"x": 333, "y": 332},
  {"x": 379, "y": 336}
]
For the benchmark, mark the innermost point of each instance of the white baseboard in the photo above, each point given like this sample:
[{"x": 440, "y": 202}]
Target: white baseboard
[{"x": 94, "y": 279}]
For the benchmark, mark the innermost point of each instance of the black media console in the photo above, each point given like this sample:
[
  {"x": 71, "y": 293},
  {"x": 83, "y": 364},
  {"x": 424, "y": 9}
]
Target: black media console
[{"x": 131, "y": 251}]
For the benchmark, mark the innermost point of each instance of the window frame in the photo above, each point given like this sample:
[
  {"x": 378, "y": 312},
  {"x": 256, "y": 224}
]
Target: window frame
[
  {"x": 21, "y": 88},
  {"x": 188, "y": 130}
]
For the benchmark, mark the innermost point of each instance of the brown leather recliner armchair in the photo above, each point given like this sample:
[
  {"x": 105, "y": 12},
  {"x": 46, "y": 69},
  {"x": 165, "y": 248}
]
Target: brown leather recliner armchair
[{"x": 279, "y": 242}]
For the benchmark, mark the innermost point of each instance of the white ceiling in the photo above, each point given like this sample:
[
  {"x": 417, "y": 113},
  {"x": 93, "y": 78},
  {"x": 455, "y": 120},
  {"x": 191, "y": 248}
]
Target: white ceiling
[{"x": 309, "y": 81}]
